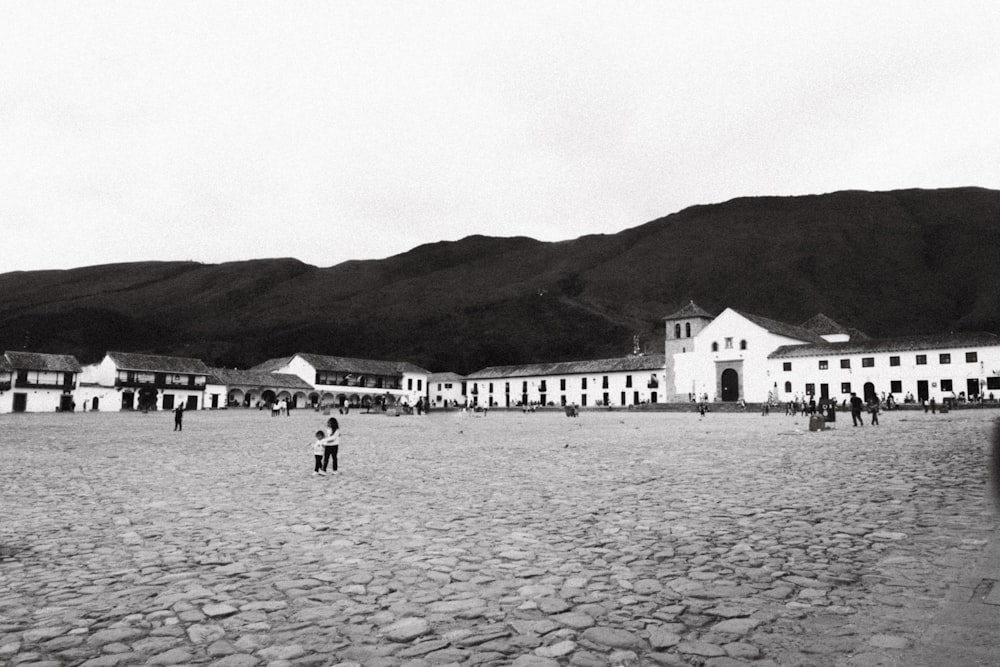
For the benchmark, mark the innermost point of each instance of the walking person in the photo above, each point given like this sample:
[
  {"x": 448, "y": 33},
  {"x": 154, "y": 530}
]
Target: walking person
[
  {"x": 318, "y": 445},
  {"x": 179, "y": 417},
  {"x": 857, "y": 405},
  {"x": 873, "y": 408},
  {"x": 331, "y": 445}
]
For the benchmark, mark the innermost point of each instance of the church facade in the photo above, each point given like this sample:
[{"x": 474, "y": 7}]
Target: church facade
[{"x": 740, "y": 356}]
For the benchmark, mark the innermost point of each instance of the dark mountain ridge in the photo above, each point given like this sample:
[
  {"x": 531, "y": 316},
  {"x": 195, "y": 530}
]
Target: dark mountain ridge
[{"x": 888, "y": 263}]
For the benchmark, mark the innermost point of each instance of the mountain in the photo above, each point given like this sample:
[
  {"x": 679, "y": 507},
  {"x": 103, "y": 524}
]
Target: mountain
[{"x": 888, "y": 263}]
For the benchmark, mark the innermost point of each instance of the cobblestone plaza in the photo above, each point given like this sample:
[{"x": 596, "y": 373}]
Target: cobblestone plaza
[{"x": 618, "y": 538}]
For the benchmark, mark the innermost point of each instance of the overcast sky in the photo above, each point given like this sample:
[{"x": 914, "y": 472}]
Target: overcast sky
[{"x": 329, "y": 131}]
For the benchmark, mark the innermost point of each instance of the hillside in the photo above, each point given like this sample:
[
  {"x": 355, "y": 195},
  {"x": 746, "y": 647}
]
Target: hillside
[{"x": 889, "y": 263}]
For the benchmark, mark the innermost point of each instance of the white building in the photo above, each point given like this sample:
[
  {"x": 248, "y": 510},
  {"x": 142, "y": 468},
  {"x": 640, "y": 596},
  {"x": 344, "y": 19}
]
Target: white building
[
  {"x": 446, "y": 389},
  {"x": 35, "y": 382},
  {"x": 228, "y": 387},
  {"x": 625, "y": 381},
  {"x": 737, "y": 355},
  {"x": 132, "y": 381},
  {"x": 357, "y": 382}
]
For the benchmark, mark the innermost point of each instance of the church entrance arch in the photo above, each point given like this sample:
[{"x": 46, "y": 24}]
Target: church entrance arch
[{"x": 730, "y": 385}]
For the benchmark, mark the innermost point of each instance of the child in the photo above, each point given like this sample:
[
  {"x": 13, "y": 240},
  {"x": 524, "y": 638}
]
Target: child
[
  {"x": 331, "y": 444},
  {"x": 317, "y": 448}
]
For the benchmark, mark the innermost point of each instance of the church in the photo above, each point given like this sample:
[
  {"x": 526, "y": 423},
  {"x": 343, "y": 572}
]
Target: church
[{"x": 736, "y": 356}]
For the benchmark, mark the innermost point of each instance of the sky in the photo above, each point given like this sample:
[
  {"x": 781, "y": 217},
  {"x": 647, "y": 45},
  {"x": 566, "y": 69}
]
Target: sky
[{"x": 332, "y": 131}]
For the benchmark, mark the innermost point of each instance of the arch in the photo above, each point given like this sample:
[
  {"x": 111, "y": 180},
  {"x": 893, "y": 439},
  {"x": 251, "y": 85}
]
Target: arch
[
  {"x": 299, "y": 400},
  {"x": 743, "y": 344},
  {"x": 235, "y": 397},
  {"x": 96, "y": 404},
  {"x": 314, "y": 399},
  {"x": 687, "y": 329},
  {"x": 677, "y": 330},
  {"x": 788, "y": 387},
  {"x": 715, "y": 346},
  {"x": 869, "y": 392},
  {"x": 730, "y": 385},
  {"x": 268, "y": 396}
]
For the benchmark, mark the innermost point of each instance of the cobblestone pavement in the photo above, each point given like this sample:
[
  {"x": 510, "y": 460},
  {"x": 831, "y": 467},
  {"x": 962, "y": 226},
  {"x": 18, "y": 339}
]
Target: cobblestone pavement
[{"x": 530, "y": 540}]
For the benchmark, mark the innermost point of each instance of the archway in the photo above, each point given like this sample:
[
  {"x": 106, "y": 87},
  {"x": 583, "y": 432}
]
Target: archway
[
  {"x": 268, "y": 397},
  {"x": 730, "y": 385},
  {"x": 869, "y": 392}
]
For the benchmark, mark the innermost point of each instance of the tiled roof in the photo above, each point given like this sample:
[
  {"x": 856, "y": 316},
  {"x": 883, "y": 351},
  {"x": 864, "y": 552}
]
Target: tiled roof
[
  {"x": 782, "y": 329},
  {"x": 902, "y": 344},
  {"x": 364, "y": 366},
  {"x": 133, "y": 361},
  {"x": 5, "y": 366},
  {"x": 445, "y": 377},
  {"x": 36, "y": 361},
  {"x": 688, "y": 311},
  {"x": 823, "y": 325},
  {"x": 650, "y": 362},
  {"x": 234, "y": 377}
]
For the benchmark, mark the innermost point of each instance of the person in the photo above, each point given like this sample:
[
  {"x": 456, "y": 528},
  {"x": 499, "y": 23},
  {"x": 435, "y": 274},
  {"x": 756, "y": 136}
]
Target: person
[
  {"x": 179, "y": 417},
  {"x": 318, "y": 447},
  {"x": 873, "y": 406},
  {"x": 831, "y": 411},
  {"x": 857, "y": 405},
  {"x": 331, "y": 445}
]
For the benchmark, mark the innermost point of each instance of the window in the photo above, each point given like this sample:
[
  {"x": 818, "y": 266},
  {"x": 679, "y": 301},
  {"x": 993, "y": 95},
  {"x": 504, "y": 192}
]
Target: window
[
  {"x": 894, "y": 361},
  {"x": 604, "y": 382},
  {"x": 543, "y": 386},
  {"x": 677, "y": 330},
  {"x": 845, "y": 387},
  {"x": 787, "y": 366},
  {"x": 687, "y": 329},
  {"x": 729, "y": 343},
  {"x": 944, "y": 358},
  {"x": 946, "y": 385},
  {"x": 562, "y": 384},
  {"x": 895, "y": 386},
  {"x": 810, "y": 389},
  {"x": 583, "y": 383},
  {"x": 823, "y": 364},
  {"x": 867, "y": 362},
  {"x": 993, "y": 382},
  {"x": 743, "y": 345},
  {"x": 491, "y": 387},
  {"x": 628, "y": 380},
  {"x": 409, "y": 383},
  {"x": 715, "y": 347},
  {"x": 971, "y": 357},
  {"x": 845, "y": 363},
  {"x": 788, "y": 387},
  {"x": 921, "y": 360},
  {"x": 420, "y": 385}
]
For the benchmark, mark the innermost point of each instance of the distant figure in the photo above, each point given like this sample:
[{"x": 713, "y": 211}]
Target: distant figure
[
  {"x": 831, "y": 411},
  {"x": 933, "y": 406},
  {"x": 873, "y": 407},
  {"x": 857, "y": 405},
  {"x": 179, "y": 417}
]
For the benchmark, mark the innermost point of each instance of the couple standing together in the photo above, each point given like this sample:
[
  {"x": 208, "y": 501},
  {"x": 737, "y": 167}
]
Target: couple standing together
[{"x": 326, "y": 446}]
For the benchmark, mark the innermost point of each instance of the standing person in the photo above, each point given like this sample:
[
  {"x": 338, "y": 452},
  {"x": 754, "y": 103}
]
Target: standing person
[
  {"x": 873, "y": 407},
  {"x": 857, "y": 405},
  {"x": 318, "y": 445},
  {"x": 331, "y": 444},
  {"x": 179, "y": 417}
]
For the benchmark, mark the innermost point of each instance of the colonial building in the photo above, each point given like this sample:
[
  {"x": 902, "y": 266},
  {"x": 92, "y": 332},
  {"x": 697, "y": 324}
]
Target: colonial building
[
  {"x": 625, "y": 381},
  {"x": 446, "y": 389},
  {"x": 34, "y": 382},
  {"x": 357, "y": 382},
  {"x": 737, "y": 355},
  {"x": 228, "y": 387},
  {"x": 132, "y": 381}
]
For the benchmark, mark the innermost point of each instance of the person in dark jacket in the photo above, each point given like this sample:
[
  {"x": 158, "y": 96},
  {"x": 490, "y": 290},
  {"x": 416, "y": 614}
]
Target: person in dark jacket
[{"x": 857, "y": 406}]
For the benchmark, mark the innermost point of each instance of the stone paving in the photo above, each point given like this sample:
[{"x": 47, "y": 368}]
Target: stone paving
[{"x": 618, "y": 538}]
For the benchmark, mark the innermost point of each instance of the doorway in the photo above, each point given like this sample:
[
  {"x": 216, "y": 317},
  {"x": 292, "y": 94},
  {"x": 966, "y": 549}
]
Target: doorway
[
  {"x": 20, "y": 403},
  {"x": 730, "y": 385},
  {"x": 870, "y": 392},
  {"x": 923, "y": 392},
  {"x": 972, "y": 388}
]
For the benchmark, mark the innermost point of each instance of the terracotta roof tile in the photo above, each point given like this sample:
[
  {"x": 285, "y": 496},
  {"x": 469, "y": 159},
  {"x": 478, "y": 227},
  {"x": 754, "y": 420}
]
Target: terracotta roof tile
[
  {"x": 231, "y": 377},
  {"x": 37, "y": 361},
  {"x": 649, "y": 362},
  {"x": 134, "y": 361}
]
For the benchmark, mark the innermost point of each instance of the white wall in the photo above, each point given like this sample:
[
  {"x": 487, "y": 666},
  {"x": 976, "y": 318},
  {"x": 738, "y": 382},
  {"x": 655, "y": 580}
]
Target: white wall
[{"x": 574, "y": 393}]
